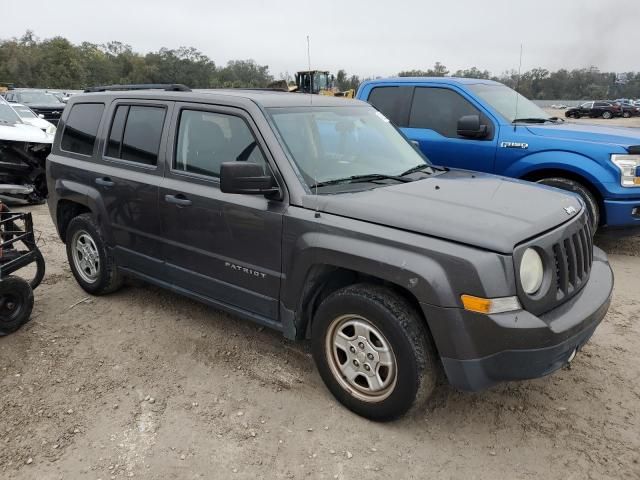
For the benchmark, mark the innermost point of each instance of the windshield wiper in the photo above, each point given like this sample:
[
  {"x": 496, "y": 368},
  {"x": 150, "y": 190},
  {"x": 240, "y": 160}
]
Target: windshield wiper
[
  {"x": 372, "y": 177},
  {"x": 537, "y": 120}
]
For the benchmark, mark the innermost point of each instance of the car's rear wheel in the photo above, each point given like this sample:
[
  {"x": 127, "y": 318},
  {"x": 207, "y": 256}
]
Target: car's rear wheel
[
  {"x": 16, "y": 303},
  {"x": 607, "y": 115},
  {"x": 91, "y": 264},
  {"x": 373, "y": 351},
  {"x": 589, "y": 199},
  {"x": 626, "y": 114}
]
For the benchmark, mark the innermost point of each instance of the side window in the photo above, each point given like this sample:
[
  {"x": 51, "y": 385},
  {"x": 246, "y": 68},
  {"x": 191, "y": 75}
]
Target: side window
[
  {"x": 439, "y": 109},
  {"x": 392, "y": 102},
  {"x": 206, "y": 140},
  {"x": 80, "y": 131},
  {"x": 135, "y": 133}
]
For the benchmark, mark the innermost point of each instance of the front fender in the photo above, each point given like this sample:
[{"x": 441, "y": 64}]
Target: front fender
[
  {"x": 581, "y": 165},
  {"x": 434, "y": 271}
]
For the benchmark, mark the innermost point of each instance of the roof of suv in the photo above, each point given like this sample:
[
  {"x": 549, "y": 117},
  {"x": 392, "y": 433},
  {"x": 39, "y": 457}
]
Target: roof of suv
[
  {"x": 264, "y": 98},
  {"x": 446, "y": 80}
]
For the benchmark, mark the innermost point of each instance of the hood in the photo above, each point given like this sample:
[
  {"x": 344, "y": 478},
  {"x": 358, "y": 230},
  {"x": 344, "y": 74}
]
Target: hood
[
  {"x": 21, "y": 132},
  {"x": 41, "y": 123},
  {"x": 622, "y": 136},
  {"x": 486, "y": 211}
]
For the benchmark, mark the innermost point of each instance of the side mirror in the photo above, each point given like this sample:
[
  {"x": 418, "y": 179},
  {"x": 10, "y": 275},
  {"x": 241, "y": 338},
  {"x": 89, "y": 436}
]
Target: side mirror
[
  {"x": 247, "y": 178},
  {"x": 469, "y": 126},
  {"x": 40, "y": 115}
]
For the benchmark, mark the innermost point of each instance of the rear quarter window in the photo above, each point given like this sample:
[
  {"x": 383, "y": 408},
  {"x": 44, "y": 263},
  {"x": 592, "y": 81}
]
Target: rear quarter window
[{"x": 81, "y": 128}]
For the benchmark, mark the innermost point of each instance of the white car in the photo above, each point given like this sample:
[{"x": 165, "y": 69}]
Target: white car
[
  {"x": 23, "y": 152},
  {"x": 30, "y": 117}
]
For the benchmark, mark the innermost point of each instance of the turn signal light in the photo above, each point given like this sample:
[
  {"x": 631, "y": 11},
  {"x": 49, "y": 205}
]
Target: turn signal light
[{"x": 490, "y": 305}]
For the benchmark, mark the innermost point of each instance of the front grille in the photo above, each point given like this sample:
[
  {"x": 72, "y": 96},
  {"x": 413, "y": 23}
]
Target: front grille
[
  {"x": 567, "y": 253},
  {"x": 573, "y": 257}
]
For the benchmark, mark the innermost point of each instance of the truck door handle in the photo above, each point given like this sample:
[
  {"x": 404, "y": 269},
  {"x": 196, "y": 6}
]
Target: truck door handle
[
  {"x": 180, "y": 200},
  {"x": 105, "y": 182}
]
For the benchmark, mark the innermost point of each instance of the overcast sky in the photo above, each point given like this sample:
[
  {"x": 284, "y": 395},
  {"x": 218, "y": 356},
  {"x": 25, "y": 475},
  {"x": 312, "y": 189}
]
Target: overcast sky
[{"x": 367, "y": 38}]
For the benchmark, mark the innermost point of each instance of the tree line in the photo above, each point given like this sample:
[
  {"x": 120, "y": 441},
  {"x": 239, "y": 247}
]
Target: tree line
[{"x": 57, "y": 63}]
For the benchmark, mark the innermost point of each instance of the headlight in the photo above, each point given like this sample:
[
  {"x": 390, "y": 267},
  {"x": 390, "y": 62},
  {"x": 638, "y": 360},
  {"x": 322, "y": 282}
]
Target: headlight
[
  {"x": 629, "y": 166},
  {"x": 531, "y": 271},
  {"x": 51, "y": 130}
]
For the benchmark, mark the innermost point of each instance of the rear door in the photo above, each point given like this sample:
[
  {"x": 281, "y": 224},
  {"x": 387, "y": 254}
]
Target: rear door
[
  {"x": 129, "y": 177},
  {"x": 223, "y": 247}
]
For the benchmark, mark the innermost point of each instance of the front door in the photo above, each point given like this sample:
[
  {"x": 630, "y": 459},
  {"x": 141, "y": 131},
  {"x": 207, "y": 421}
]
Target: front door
[
  {"x": 223, "y": 247},
  {"x": 433, "y": 123}
]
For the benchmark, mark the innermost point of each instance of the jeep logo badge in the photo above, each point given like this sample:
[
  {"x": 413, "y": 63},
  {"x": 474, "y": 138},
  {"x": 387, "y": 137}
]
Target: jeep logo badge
[{"x": 570, "y": 210}]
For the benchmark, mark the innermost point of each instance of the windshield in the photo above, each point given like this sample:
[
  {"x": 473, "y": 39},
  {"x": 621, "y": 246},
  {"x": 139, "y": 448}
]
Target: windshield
[
  {"x": 7, "y": 115},
  {"x": 38, "y": 97},
  {"x": 332, "y": 143},
  {"x": 24, "y": 112},
  {"x": 504, "y": 100}
]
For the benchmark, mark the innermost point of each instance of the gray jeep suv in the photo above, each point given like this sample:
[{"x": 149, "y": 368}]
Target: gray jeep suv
[{"x": 316, "y": 217}]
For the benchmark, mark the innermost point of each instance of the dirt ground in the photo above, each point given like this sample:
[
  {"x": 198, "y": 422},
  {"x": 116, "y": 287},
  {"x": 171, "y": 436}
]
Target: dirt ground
[{"x": 147, "y": 384}]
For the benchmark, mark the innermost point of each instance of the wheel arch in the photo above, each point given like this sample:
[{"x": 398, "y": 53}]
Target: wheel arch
[
  {"x": 66, "y": 211},
  {"x": 325, "y": 279},
  {"x": 542, "y": 173}
]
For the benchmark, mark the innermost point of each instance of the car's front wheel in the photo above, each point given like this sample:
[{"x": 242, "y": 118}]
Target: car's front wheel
[
  {"x": 373, "y": 351},
  {"x": 607, "y": 115},
  {"x": 589, "y": 199},
  {"x": 91, "y": 264},
  {"x": 626, "y": 114}
]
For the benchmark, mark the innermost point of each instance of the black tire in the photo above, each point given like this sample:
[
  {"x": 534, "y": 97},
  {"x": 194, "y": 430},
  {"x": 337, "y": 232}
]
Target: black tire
[
  {"x": 607, "y": 115},
  {"x": 107, "y": 279},
  {"x": 16, "y": 304},
  {"x": 626, "y": 114},
  {"x": 40, "y": 270},
  {"x": 404, "y": 331},
  {"x": 576, "y": 187}
]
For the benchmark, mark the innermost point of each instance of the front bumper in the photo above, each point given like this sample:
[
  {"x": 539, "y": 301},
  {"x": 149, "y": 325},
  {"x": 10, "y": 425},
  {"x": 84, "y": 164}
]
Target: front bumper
[
  {"x": 622, "y": 213},
  {"x": 478, "y": 351}
]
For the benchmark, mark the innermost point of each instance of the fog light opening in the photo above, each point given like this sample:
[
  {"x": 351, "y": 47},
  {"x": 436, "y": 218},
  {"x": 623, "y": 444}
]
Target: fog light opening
[{"x": 636, "y": 212}]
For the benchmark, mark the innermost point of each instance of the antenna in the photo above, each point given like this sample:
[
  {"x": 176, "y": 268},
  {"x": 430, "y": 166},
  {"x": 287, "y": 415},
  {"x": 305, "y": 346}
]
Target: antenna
[
  {"x": 310, "y": 76},
  {"x": 315, "y": 179},
  {"x": 518, "y": 86}
]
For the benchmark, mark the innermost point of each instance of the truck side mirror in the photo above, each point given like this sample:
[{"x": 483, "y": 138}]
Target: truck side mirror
[
  {"x": 469, "y": 126},
  {"x": 246, "y": 178}
]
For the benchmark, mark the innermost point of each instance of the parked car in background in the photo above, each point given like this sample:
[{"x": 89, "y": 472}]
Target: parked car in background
[
  {"x": 485, "y": 126},
  {"x": 39, "y": 101},
  {"x": 628, "y": 109},
  {"x": 23, "y": 152},
  {"x": 29, "y": 117},
  {"x": 560, "y": 106},
  {"x": 320, "y": 220},
  {"x": 595, "y": 109}
]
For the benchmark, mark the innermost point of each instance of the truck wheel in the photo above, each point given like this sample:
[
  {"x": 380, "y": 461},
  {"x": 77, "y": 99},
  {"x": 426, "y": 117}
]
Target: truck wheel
[
  {"x": 373, "y": 351},
  {"x": 589, "y": 200},
  {"x": 607, "y": 115},
  {"x": 91, "y": 264},
  {"x": 16, "y": 303}
]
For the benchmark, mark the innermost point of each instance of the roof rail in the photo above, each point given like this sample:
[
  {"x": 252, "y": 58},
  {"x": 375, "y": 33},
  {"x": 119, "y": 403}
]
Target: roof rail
[{"x": 169, "y": 87}]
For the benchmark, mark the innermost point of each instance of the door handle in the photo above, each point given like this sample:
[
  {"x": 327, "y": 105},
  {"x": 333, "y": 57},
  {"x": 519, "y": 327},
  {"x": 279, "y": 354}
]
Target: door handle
[
  {"x": 105, "y": 182},
  {"x": 179, "y": 200}
]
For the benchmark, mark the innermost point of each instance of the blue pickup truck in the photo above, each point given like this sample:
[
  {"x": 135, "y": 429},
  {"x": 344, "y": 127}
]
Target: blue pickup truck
[{"x": 486, "y": 126}]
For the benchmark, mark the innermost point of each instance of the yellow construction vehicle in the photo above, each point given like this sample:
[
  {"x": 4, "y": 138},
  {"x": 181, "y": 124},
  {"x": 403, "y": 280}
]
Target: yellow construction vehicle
[{"x": 319, "y": 82}]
